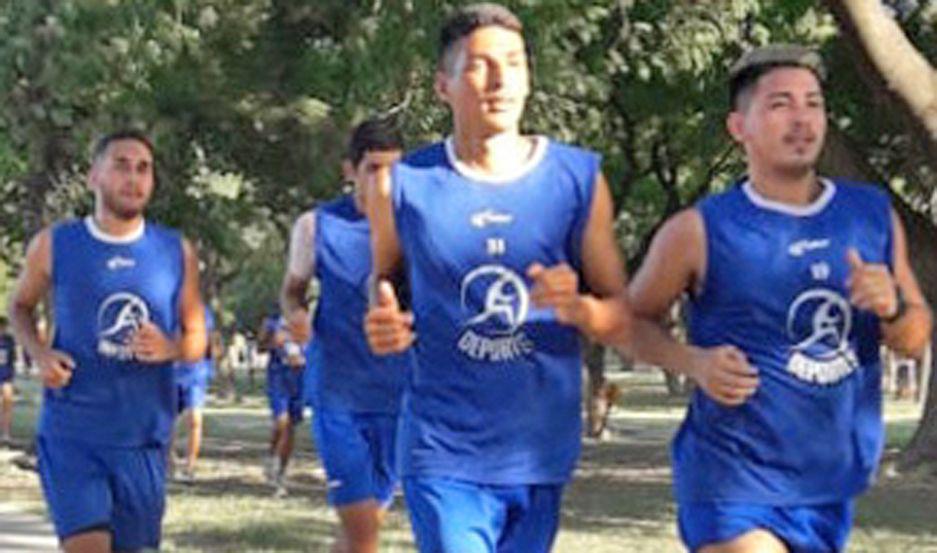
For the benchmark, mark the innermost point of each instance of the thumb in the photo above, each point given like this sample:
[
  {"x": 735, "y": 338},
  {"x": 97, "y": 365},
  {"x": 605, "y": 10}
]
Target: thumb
[
  {"x": 386, "y": 297},
  {"x": 854, "y": 259},
  {"x": 535, "y": 270}
]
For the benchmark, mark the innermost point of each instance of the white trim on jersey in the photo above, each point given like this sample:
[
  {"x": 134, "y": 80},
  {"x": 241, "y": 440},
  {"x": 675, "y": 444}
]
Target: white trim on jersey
[
  {"x": 829, "y": 190},
  {"x": 540, "y": 149},
  {"x": 99, "y": 234}
]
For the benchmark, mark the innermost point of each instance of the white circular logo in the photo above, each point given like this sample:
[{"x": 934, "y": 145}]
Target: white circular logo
[
  {"x": 497, "y": 296},
  {"x": 819, "y": 322},
  {"x": 120, "y": 316}
]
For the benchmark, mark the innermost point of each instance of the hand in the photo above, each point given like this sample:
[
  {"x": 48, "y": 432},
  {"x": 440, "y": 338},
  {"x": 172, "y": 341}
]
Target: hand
[
  {"x": 55, "y": 367},
  {"x": 558, "y": 287},
  {"x": 724, "y": 375},
  {"x": 150, "y": 345},
  {"x": 871, "y": 286},
  {"x": 299, "y": 326},
  {"x": 389, "y": 330}
]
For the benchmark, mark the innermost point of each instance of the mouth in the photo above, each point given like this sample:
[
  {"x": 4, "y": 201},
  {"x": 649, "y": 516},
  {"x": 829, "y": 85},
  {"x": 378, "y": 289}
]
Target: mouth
[
  {"x": 800, "y": 141},
  {"x": 500, "y": 105}
]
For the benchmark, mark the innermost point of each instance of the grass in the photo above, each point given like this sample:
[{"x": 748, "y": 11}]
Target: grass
[{"x": 619, "y": 501}]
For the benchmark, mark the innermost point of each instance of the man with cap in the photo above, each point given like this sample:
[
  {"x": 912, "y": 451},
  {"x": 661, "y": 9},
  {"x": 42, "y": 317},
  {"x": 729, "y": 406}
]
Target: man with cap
[{"x": 794, "y": 282}]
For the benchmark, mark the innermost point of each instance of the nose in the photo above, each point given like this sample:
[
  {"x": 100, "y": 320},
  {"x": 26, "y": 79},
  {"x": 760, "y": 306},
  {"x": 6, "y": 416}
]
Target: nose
[{"x": 496, "y": 75}]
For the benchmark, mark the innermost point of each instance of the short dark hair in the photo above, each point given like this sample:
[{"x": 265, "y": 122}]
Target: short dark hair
[
  {"x": 103, "y": 143},
  {"x": 753, "y": 64},
  {"x": 466, "y": 20},
  {"x": 373, "y": 135}
]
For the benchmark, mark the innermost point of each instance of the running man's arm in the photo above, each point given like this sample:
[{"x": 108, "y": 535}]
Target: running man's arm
[
  {"x": 151, "y": 345},
  {"x": 603, "y": 314},
  {"x": 906, "y": 328},
  {"x": 387, "y": 327},
  {"x": 675, "y": 263},
  {"x": 300, "y": 269},
  {"x": 32, "y": 287}
]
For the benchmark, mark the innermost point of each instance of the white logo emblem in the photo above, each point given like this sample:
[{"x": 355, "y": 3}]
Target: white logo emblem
[
  {"x": 119, "y": 317},
  {"x": 818, "y": 323},
  {"x": 499, "y": 299},
  {"x": 801, "y": 247},
  {"x": 490, "y": 217},
  {"x": 118, "y": 262}
]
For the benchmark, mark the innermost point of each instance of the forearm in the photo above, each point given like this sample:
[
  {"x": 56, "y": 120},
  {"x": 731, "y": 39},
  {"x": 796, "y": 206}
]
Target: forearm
[
  {"x": 607, "y": 320},
  {"x": 653, "y": 344},
  {"x": 910, "y": 333},
  {"x": 25, "y": 326},
  {"x": 191, "y": 345},
  {"x": 293, "y": 294}
]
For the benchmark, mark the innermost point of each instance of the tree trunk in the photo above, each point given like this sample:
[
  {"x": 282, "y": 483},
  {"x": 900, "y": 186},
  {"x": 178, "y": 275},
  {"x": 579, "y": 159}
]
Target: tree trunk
[{"x": 898, "y": 67}]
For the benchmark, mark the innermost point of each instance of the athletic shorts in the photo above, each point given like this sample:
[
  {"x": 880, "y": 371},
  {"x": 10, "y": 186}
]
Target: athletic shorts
[
  {"x": 191, "y": 394},
  {"x": 805, "y": 529},
  {"x": 359, "y": 454},
  {"x": 285, "y": 393},
  {"x": 90, "y": 487},
  {"x": 453, "y": 516}
]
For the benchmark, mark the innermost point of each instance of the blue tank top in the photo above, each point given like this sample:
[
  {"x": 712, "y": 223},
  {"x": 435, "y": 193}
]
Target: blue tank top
[
  {"x": 495, "y": 394},
  {"x": 775, "y": 287},
  {"x": 102, "y": 291},
  {"x": 349, "y": 377},
  {"x": 204, "y": 368},
  {"x": 7, "y": 351}
]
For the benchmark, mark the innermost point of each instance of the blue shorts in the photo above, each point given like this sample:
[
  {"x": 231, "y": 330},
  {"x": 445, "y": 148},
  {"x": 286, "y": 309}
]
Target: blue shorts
[
  {"x": 285, "y": 392},
  {"x": 452, "y": 516},
  {"x": 807, "y": 529},
  {"x": 89, "y": 487},
  {"x": 191, "y": 393},
  {"x": 6, "y": 375},
  {"x": 359, "y": 454}
]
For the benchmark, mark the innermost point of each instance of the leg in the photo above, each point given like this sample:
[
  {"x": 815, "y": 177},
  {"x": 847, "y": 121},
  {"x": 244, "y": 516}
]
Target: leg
[
  {"x": 450, "y": 516},
  {"x": 533, "y": 519},
  {"x": 361, "y": 524},
  {"x": 195, "y": 439},
  {"x": 753, "y": 541},
  {"x": 6, "y": 410},
  {"x": 96, "y": 541},
  {"x": 138, "y": 482},
  {"x": 358, "y": 454},
  {"x": 77, "y": 492}
]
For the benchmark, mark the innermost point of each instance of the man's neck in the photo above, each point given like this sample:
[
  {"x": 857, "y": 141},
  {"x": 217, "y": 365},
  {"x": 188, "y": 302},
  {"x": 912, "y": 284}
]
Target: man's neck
[
  {"x": 797, "y": 189},
  {"x": 115, "y": 226},
  {"x": 493, "y": 154}
]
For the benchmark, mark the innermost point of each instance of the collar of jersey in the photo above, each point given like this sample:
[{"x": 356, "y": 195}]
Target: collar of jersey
[
  {"x": 814, "y": 207},
  {"x": 99, "y": 234},
  {"x": 540, "y": 149}
]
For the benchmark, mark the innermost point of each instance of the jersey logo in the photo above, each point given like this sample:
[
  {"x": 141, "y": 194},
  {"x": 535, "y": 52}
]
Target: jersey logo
[
  {"x": 488, "y": 217},
  {"x": 818, "y": 324},
  {"x": 499, "y": 302},
  {"x": 119, "y": 316},
  {"x": 118, "y": 262},
  {"x": 801, "y": 247}
]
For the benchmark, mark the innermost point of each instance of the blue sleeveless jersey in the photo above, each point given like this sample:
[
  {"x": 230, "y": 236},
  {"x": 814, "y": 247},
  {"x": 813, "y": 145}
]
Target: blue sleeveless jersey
[
  {"x": 775, "y": 287},
  {"x": 203, "y": 369},
  {"x": 495, "y": 395},
  {"x": 348, "y": 376},
  {"x": 102, "y": 291},
  {"x": 7, "y": 351}
]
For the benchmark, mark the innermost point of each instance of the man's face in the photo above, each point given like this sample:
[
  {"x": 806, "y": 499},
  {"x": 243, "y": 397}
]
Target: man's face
[
  {"x": 371, "y": 163},
  {"x": 487, "y": 83},
  {"x": 122, "y": 178},
  {"x": 782, "y": 124}
]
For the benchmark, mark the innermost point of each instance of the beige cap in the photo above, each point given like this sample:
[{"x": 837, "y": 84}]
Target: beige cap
[{"x": 779, "y": 54}]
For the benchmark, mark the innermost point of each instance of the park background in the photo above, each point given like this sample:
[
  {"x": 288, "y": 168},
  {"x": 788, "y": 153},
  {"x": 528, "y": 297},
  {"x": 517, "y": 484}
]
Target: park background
[{"x": 249, "y": 103}]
